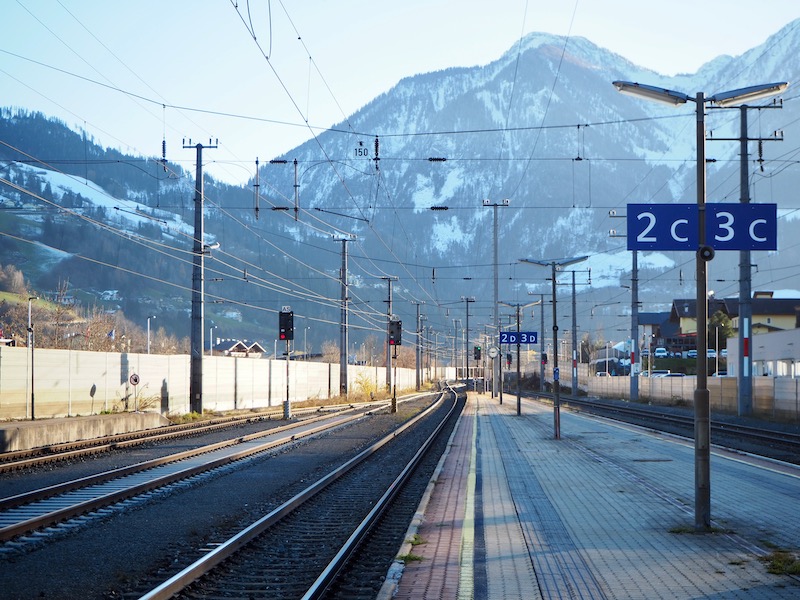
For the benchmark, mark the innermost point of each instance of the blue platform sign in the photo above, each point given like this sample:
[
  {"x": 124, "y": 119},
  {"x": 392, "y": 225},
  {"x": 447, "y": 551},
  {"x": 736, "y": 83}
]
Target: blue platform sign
[
  {"x": 518, "y": 337},
  {"x": 729, "y": 226}
]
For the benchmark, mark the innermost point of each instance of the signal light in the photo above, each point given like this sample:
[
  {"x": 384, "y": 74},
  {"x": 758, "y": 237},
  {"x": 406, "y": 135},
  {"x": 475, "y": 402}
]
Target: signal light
[
  {"x": 286, "y": 325},
  {"x": 477, "y": 352},
  {"x": 544, "y": 358},
  {"x": 395, "y": 332}
]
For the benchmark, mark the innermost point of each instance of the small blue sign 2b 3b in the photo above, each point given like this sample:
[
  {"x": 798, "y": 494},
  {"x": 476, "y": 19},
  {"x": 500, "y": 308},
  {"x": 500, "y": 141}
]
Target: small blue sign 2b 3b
[{"x": 728, "y": 226}]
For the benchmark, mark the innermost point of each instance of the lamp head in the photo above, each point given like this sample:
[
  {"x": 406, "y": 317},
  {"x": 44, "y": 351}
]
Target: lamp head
[
  {"x": 651, "y": 92},
  {"x": 748, "y": 94}
]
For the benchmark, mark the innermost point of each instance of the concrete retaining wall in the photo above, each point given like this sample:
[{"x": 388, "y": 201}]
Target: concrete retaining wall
[
  {"x": 23, "y": 435},
  {"x": 73, "y": 382},
  {"x": 773, "y": 397}
]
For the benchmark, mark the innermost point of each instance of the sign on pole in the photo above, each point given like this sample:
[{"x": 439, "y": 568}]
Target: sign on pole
[
  {"x": 518, "y": 337},
  {"x": 728, "y": 226}
]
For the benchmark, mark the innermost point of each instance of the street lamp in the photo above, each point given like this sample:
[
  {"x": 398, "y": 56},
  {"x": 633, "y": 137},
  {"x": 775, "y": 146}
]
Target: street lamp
[
  {"x": 148, "y": 332},
  {"x": 556, "y": 265},
  {"x": 31, "y": 342},
  {"x": 702, "y": 430}
]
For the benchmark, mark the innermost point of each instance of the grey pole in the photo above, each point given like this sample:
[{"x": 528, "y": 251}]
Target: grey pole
[
  {"x": 702, "y": 422},
  {"x": 467, "y": 300},
  {"x": 196, "y": 363},
  {"x": 497, "y": 363},
  {"x": 541, "y": 346},
  {"x": 574, "y": 341},
  {"x": 744, "y": 360},
  {"x": 556, "y": 383},
  {"x": 388, "y": 347},
  {"x": 418, "y": 353},
  {"x": 635, "y": 327},
  {"x": 519, "y": 374},
  {"x": 344, "y": 341}
]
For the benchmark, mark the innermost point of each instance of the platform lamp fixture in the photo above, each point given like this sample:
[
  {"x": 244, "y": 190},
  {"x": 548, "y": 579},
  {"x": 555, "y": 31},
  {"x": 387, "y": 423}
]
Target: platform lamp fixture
[{"x": 705, "y": 253}]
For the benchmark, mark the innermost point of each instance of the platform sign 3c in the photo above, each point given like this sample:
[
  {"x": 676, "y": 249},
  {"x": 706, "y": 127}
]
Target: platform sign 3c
[{"x": 728, "y": 226}]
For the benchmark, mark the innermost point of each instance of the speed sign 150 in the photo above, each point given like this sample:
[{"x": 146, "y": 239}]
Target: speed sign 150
[{"x": 728, "y": 226}]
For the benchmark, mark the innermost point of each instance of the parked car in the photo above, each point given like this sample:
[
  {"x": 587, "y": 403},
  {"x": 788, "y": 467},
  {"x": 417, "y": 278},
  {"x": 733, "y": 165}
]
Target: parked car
[
  {"x": 691, "y": 354},
  {"x": 723, "y": 353},
  {"x": 601, "y": 374},
  {"x": 660, "y": 373},
  {"x": 645, "y": 352},
  {"x": 674, "y": 375},
  {"x": 720, "y": 374},
  {"x": 711, "y": 353},
  {"x": 661, "y": 353}
]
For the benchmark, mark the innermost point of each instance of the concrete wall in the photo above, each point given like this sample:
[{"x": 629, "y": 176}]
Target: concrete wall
[
  {"x": 773, "y": 397},
  {"x": 72, "y": 382}
]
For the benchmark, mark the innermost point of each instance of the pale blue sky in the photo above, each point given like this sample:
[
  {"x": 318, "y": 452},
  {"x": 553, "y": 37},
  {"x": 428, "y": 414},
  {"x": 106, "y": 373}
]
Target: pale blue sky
[{"x": 199, "y": 53}]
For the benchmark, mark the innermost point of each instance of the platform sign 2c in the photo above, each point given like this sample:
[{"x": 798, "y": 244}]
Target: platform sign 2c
[
  {"x": 518, "y": 337},
  {"x": 728, "y": 226}
]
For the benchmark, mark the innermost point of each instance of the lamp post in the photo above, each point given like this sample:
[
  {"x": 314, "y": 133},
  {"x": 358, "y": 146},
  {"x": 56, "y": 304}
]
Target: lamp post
[
  {"x": 31, "y": 342},
  {"x": 702, "y": 430},
  {"x": 556, "y": 265},
  {"x": 148, "y": 332}
]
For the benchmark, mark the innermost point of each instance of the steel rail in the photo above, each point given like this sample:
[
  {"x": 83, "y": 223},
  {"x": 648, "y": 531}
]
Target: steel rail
[
  {"x": 331, "y": 571},
  {"x": 104, "y": 499},
  {"x": 21, "y": 459},
  {"x": 225, "y": 550}
]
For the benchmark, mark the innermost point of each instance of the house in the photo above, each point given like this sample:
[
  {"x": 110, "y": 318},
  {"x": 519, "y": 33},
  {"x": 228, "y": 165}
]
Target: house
[
  {"x": 237, "y": 348},
  {"x": 770, "y": 314}
]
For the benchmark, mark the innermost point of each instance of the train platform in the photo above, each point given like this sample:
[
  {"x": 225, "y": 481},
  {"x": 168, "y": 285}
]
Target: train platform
[{"x": 607, "y": 511}]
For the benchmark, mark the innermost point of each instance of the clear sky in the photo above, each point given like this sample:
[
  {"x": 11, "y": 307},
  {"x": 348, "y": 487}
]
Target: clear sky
[{"x": 327, "y": 58}]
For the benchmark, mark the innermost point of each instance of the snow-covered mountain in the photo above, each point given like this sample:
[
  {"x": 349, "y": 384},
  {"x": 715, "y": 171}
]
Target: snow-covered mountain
[{"x": 408, "y": 175}]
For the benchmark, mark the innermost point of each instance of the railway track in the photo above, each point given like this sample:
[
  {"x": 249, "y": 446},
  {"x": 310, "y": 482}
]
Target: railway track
[
  {"x": 44, "y": 455},
  {"x": 772, "y": 442},
  {"x": 303, "y": 548},
  {"x": 54, "y": 505}
]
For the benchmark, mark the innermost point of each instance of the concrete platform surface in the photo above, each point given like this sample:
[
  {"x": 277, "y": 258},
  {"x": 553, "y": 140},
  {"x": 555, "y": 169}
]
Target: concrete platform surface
[{"x": 607, "y": 511}]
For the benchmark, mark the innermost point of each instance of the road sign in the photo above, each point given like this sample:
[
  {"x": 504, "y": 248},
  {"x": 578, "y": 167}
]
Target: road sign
[
  {"x": 556, "y": 374},
  {"x": 518, "y": 337},
  {"x": 729, "y": 226},
  {"x": 493, "y": 352},
  {"x": 134, "y": 379}
]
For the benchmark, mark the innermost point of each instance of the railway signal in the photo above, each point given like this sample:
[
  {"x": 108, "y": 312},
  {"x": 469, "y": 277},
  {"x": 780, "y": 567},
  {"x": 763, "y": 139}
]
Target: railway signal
[
  {"x": 395, "y": 332},
  {"x": 286, "y": 325}
]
